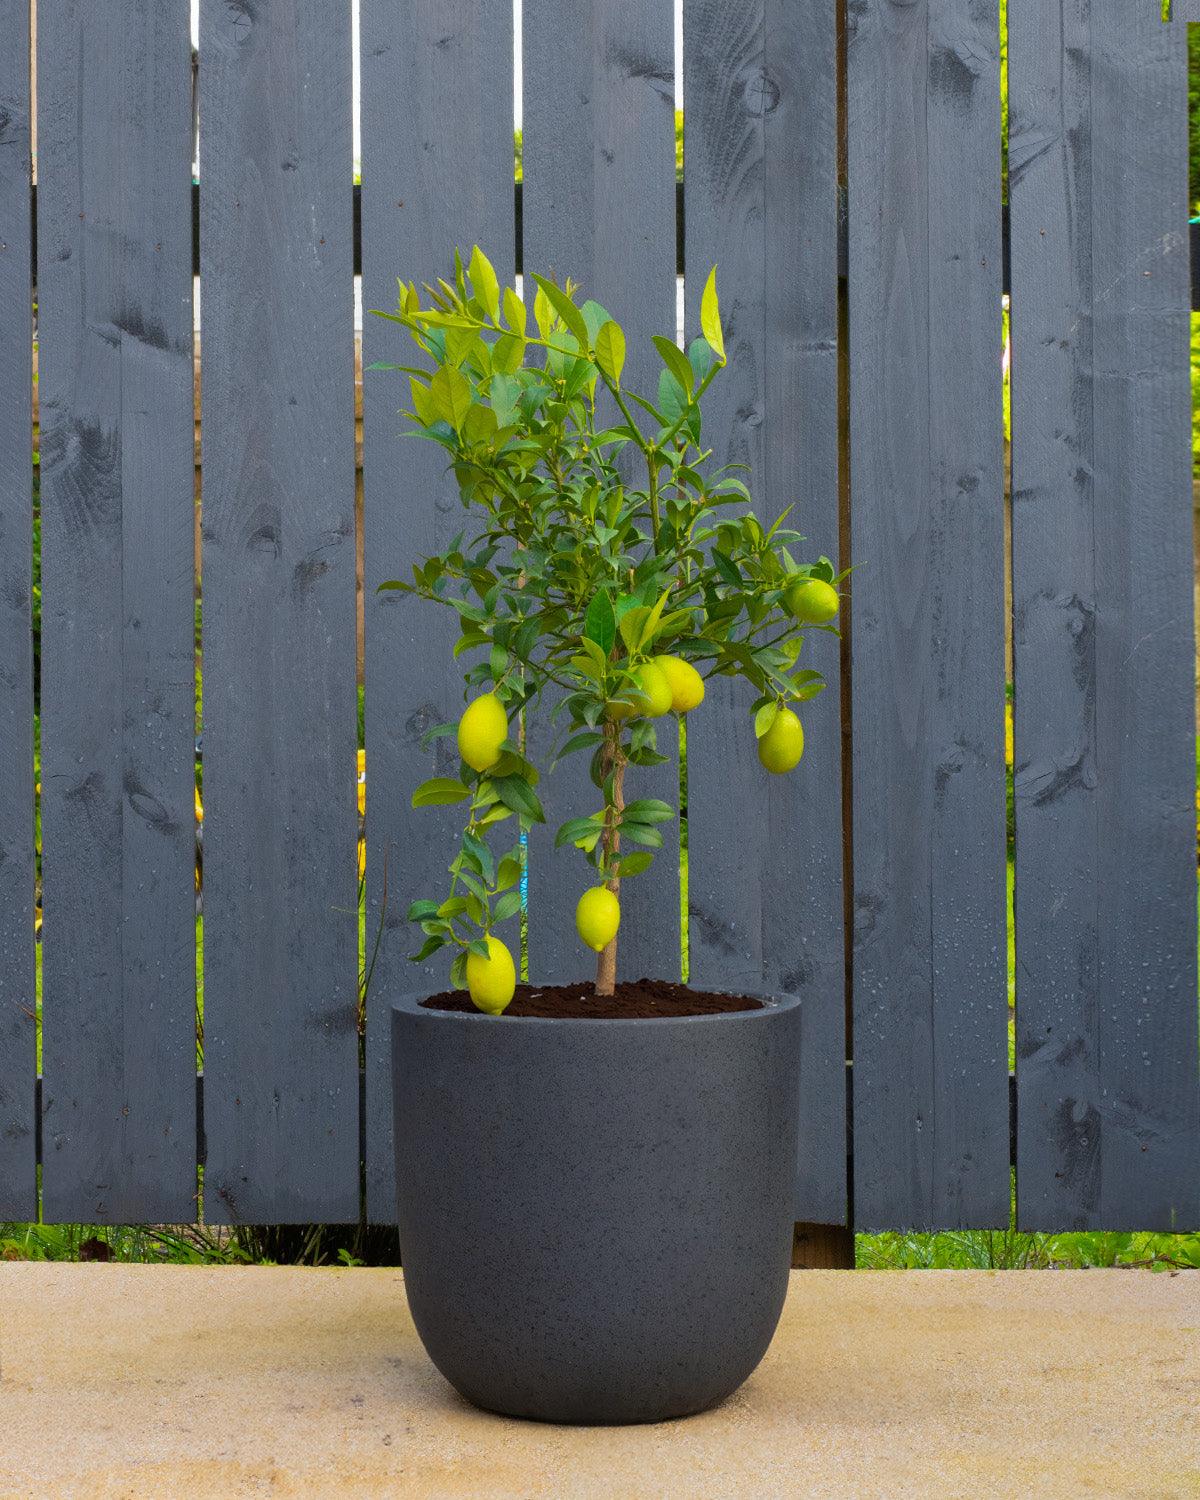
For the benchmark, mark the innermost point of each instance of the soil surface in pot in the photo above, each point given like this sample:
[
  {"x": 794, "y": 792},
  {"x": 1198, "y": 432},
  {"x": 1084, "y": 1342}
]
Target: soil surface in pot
[{"x": 635, "y": 999}]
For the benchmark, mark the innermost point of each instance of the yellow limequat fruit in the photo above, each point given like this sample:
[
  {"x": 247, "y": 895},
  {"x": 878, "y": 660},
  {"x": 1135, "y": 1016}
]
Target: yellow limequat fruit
[
  {"x": 686, "y": 684},
  {"x": 491, "y": 981},
  {"x": 597, "y": 917},
  {"x": 481, "y": 731},
  {"x": 812, "y": 600},
  {"x": 782, "y": 746},
  {"x": 651, "y": 698}
]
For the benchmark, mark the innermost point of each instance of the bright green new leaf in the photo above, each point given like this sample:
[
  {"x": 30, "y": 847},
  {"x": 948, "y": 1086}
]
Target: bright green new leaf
[
  {"x": 508, "y": 353},
  {"x": 710, "y": 317},
  {"x": 610, "y": 352},
  {"x": 514, "y": 311},
  {"x": 571, "y": 316},
  {"x": 451, "y": 392},
  {"x": 507, "y": 906},
  {"x": 423, "y": 403},
  {"x": 483, "y": 279},
  {"x": 764, "y": 718}
]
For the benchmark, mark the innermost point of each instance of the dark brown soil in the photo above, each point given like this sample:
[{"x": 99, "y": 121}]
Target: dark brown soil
[{"x": 635, "y": 999}]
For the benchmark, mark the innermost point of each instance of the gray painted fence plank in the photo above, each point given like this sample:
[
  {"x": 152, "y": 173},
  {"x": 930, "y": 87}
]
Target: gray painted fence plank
[
  {"x": 18, "y": 1044},
  {"x": 926, "y": 470},
  {"x": 437, "y": 114},
  {"x": 765, "y": 852},
  {"x": 281, "y": 997},
  {"x": 115, "y": 355},
  {"x": 1108, "y": 1068},
  {"x": 599, "y": 208}
]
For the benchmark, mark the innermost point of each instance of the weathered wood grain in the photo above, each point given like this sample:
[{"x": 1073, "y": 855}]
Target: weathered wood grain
[
  {"x": 18, "y": 1050},
  {"x": 1107, "y": 1055},
  {"x": 115, "y": 368},
  {"x": 599, "y": 208},
  {"x": 926, "y": 475},
  {"x": 281, "y": 998},
  {"x": 765, "y": 852},
  {"x": 437, "y": 111}
]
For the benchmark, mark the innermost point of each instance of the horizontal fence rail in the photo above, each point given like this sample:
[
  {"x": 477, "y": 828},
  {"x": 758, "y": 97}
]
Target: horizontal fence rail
[{"x": 844, "y": 174}]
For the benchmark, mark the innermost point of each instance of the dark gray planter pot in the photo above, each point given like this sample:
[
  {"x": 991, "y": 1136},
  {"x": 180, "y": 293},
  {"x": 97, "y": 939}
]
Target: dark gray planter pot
[{"x": 595, "y": 1216}]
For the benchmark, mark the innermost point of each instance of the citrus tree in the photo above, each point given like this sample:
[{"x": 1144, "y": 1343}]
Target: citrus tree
[{"x": 603, "y": 600}]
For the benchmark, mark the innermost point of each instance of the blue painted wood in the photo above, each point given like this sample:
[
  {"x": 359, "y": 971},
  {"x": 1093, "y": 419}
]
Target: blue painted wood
[
  {"x": 765, "y": 852},
  {"x": 281, "y": 995},
  {"x": 437, "y": 115},
  {"x": 115, "y": 360},
  {"x": 1107, "y": 1053},
  {"x": 926, "y": 476},
  {"x": 599, "y": 208},
  {"x": 18, "y": 1041}
]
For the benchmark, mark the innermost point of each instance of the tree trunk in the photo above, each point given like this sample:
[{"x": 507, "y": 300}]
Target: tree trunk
[{"x": 606, "y": 959}]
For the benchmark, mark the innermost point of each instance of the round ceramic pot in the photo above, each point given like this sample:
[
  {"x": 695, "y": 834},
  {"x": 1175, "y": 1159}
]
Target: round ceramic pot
[{"x": 596, "y": 1216}]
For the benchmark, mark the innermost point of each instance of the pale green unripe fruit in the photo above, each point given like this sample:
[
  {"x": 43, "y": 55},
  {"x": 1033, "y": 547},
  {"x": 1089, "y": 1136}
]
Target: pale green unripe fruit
[
  {"x": 812, "y": 600},
  {"x": 782, "y": 746}
]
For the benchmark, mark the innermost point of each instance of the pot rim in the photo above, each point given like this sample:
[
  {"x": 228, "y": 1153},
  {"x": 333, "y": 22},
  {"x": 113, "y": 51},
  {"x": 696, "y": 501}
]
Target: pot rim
[{"x": 773, "y": 1005}]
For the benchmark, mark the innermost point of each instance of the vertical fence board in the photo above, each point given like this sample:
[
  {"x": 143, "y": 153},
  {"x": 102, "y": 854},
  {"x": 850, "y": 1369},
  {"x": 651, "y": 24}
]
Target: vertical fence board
[
  {"x": 437, "y": 124},
  {"x": 115, "y": 347},
  {"x": 18, "y": 1051},
  {"x": 1107, "y": 1056},
  {"x": 599, "y": 208},
  {"x": 281, "y": 1005},
  {"x": 926, "y": 472},
  {"x": 765, "y": 852}
]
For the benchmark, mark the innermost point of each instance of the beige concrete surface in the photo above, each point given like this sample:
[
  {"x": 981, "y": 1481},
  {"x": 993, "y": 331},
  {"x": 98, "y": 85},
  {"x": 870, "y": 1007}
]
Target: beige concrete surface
[{"x": 157, "y": 1382}]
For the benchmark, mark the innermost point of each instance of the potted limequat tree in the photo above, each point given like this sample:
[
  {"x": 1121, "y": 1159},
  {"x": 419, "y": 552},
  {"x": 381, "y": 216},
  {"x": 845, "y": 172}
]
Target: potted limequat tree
[{"x": 595, "y": 1202}]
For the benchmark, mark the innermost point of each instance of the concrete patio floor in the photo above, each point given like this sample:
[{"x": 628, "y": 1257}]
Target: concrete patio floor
[{"x": 156, "y": 1382}]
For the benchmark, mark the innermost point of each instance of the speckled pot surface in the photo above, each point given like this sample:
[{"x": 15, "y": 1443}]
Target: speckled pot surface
[{"x": 595, "y": 1216}]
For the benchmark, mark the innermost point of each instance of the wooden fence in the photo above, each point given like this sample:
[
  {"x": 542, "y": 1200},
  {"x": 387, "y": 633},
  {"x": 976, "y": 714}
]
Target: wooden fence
[{"x": 873, "y": 406}]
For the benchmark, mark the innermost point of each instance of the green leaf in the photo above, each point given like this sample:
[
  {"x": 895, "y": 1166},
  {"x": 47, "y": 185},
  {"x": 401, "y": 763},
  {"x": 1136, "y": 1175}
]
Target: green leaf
[
  {"x": 600, "y": 623},
  {"x": 566, "y": 310},
  {"x": 519, "y": 796},
  {"x": 710, "y": 317},
  {"x": 647, "y": 757},
  {"x": 765, "y": 717},
  {"x": 439, "y": 790},
  {"x": 505, "y": 393},
  {"x": 676, "y": 361},
  {"x": 509, "y": 872},
  {"x": 483, "y": 280},
  {"x": 648, "y": 810},
  {"x": 429, "y": 946},
  {"x": 482, "y": 853},
  {"x": 507, "y": 906},
  {"x": 582, "y": 741},
  {"x": 420, "y": 910},
  {"x": 576, "y": 828},
  {"x": 634, "y": 864},
  {"x": 700, "y": 357},
  {"x": 727, "y": 569},
  {"x": 451, "y": 392},
  {"x": 610, "y": 352},
  {"x": 458, "y": 971},
  {"x": 641, "y": 833},
  {"x": 594, "y": 317},
  {"x": 478, "y": 945},
  {"x": 632, "y": 623}
]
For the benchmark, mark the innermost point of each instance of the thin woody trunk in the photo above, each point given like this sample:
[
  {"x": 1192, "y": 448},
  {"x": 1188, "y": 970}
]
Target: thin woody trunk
[{"x": 606, "y": 960}]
